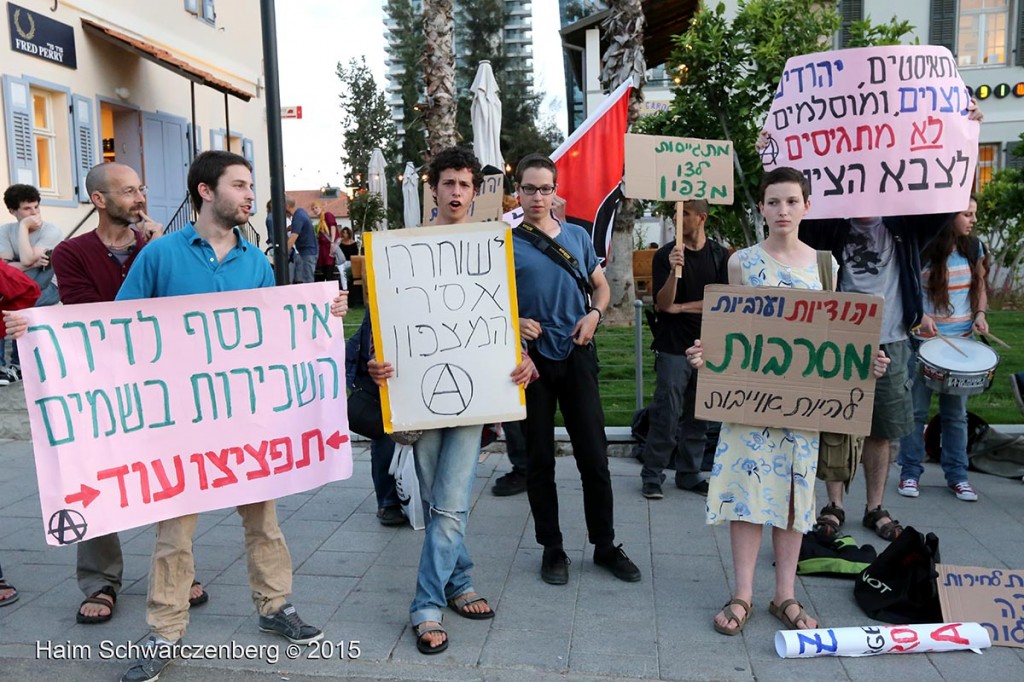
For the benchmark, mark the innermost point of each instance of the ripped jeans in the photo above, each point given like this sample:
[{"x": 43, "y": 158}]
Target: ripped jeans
[{"x": 446, "y": 461}]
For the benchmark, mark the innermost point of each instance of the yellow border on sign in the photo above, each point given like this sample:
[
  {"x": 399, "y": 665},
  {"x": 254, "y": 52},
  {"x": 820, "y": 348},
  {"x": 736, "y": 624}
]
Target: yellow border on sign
[
  {"x": 513, "y": 308},
  {"x": 378, "y": 341}
]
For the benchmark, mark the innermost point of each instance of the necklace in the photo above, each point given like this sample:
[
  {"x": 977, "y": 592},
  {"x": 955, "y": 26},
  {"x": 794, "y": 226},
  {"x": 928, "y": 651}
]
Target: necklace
[{"x": 117, "y": 244}]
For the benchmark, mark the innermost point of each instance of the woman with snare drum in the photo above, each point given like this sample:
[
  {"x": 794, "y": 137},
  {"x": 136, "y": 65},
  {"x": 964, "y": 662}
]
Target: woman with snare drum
[{"x": 955, "y": 304}]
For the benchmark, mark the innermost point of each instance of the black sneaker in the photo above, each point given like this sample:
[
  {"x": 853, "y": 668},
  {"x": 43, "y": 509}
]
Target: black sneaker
[
  {"x": 287, "y": 623},
  {"x": 512, "y": 483},
  {"x": 155, "y": 657},
  {"x": 554, "y": 567},
  {"x": 652, "y": 491},
  {"x": 616, "y": 561},
  {"x": 701, "y": 488},
  {"x": 1017, "y": 387},
  {"x": 391, "y": 516}
]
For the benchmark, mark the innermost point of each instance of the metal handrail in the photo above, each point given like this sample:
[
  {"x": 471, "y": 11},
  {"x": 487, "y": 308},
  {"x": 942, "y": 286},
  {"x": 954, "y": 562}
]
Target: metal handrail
[
  {"x": 250, "y": 234},
  {"x": 181, "y": 217},
  {"x": 81, "y": 222}
]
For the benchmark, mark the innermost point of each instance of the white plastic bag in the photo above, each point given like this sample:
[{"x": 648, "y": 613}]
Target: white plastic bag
[{"x": 403, "y": 468}]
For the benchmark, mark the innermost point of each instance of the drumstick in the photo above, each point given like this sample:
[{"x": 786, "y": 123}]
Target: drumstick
[
  {"x": 679, "y": 234},
  {"x": 995, "y": 338},
  {"x": 955, "y": 347}
]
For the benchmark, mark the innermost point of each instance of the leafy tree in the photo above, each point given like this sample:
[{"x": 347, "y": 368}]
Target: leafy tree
[
  {"x": 726, "y": 74},
  {"x": 368, "y": 124},
  {"x": 408, "y": 43},
  {"x": 1001, "y": 221},
  {"x": 366, "y": 211}
]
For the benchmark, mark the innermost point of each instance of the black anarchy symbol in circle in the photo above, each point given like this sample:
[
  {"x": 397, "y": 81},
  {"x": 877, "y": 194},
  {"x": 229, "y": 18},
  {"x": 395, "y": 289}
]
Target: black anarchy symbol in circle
[
  {"x": 446, "y": 389},
  {"x": 67, "y": 526}
]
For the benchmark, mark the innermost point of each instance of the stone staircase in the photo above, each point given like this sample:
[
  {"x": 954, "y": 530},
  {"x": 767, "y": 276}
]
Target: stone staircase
[{"x": 13, "y": 413}]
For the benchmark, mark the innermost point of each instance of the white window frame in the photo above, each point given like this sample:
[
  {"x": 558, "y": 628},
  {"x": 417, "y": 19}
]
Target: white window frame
[
  {"x": 991, "y": 164},
  {"x": 49, "y": 136},
  {"x": 204, "y": 10},
  {"x": 983, "y": 15}
]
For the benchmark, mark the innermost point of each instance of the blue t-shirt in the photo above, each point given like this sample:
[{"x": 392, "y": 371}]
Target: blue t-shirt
[
  {"x": 549, "y": 294},
  {"x": 301, "y": 225},
  {"x": 183, "y": 263}
]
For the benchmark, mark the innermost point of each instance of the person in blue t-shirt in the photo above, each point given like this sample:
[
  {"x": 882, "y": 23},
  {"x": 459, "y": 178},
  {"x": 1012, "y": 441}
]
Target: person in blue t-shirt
[
  {"x": 559, "y": 322},
  {"x": 302, "y": 236}
]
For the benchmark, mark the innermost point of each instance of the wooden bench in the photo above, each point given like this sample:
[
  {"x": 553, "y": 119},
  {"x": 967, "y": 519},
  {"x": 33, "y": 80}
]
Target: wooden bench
[
  {"x": 643, "y": 262},
  {"x": 358, "y": 281}
]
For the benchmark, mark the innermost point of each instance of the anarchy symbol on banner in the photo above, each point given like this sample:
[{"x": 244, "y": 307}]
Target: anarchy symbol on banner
[
  {"x": 770, "y": 153},
  {"x": 67, "y": 526}
]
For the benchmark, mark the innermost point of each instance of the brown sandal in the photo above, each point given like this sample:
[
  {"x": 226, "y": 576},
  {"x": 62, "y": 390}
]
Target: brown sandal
[
  {"x": 95, "y": 598},
  {"x": 825, "y": 529},
  {"x": 790, "y": 623},
  {"x": 731, "y": 615},
  {"x": 887, "y": 531}
]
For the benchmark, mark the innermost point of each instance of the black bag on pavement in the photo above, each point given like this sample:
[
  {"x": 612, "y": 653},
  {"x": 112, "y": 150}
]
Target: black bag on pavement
[{"x": 899, "y": 586}]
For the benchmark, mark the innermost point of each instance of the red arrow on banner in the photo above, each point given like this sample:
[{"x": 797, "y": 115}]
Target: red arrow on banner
[
  {"x": 336, "y": 440},
  {"x": 86, "y": 495}
]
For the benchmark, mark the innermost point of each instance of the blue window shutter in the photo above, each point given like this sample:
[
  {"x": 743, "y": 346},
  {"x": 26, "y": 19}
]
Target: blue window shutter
[
  {"x": 850, "y": 11},
  {"x": 82, "y": 119},
  {"x": 249, "y": 154},
  {"x": 209, "y": 13},
  {"x": 1020, "y": 33},
  {"x": 217, "y": 140},
  {"x": 195, "y": 140},
  {"x": 192, "y": 6},
  {"x": 942, "y": 27},
  {"x": 1015, "y": 155},
  {"x": 21, "y": 151}
]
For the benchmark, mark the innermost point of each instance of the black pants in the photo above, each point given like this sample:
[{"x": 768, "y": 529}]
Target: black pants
[{"x": 571, "y": 384}]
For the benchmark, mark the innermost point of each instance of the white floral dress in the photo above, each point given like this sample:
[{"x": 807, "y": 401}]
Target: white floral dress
[{"x": 757, "y": 467}]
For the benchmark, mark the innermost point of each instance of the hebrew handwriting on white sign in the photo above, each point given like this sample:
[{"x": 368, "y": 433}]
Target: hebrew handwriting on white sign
[{"x": 443, "y": 302}]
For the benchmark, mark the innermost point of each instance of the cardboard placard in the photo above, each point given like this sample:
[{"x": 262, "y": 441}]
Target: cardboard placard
[
  {"x": 884, "y": 127},
  {"x": 156, "y": 408},
  {"x": 485, "y": 207},
  {"x": 678, "y": 168},
  {"x": 992, "y": 597},
  {"x": 796, "y": 358},
  {"x": 445, "y": 315}
]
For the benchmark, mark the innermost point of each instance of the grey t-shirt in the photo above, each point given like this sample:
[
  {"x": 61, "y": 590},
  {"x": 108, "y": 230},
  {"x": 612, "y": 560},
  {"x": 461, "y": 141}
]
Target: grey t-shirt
[
  {"x": 48, "y": 236},
  {"x": 871, "y": 267}
]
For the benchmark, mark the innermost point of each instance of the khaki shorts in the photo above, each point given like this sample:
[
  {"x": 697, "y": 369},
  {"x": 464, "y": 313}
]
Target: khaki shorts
[{"x": 893, "y": 415}]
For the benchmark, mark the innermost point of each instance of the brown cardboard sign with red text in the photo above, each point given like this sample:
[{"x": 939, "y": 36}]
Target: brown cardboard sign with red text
[{"x": 791, "y": 358}]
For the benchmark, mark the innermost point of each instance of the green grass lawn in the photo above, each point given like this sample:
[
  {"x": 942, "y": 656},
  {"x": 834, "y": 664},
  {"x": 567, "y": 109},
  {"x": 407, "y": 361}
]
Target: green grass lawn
[{"x": 616, "y": 348}]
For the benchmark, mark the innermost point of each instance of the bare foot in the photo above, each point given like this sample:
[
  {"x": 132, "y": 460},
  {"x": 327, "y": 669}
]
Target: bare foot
[
  {"x": 434, "y": 639},
  {"x": 196, "y": 591},
  {"x": 723, "y": 620},
  {"x": 476, "y": 607}
]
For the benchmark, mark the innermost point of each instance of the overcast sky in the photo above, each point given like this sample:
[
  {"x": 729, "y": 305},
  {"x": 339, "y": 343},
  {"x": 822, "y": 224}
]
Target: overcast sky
[{"x": 314, "y": 35}]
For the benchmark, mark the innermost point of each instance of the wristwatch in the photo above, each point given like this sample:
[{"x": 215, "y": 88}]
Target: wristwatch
[{"x": 600, "y": 313}]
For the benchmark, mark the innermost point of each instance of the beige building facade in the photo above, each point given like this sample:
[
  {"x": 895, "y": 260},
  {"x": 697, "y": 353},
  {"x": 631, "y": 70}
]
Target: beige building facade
[{"x": 149, "y": 84}]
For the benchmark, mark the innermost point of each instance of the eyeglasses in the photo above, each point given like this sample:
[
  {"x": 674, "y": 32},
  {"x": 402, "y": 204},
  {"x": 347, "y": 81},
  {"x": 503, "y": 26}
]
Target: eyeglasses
[
  {"x": 127, "y": 191},
  {"x": 530, "y": 190}
]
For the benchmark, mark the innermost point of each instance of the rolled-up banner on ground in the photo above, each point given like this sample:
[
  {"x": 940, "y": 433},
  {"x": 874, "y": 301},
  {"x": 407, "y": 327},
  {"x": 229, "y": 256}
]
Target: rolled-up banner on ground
[{"x": 881, "y": 639}]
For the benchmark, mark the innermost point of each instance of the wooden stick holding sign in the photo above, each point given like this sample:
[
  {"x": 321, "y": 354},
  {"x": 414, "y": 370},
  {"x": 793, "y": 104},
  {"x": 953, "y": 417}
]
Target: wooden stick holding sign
[{"x": 679, "y": 234}]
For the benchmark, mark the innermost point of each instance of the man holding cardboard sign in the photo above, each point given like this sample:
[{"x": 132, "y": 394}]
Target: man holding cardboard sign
[
  {"x": 446, "y": 457},
  {"x": 559, "y": 320},
  {"x": 676, "y": 436}
]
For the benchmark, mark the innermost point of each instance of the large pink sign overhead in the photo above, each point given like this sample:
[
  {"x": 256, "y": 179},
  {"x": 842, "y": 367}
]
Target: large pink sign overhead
[
  {"x": 876, "y": 130},
  {"x": 150, "y": 409}
]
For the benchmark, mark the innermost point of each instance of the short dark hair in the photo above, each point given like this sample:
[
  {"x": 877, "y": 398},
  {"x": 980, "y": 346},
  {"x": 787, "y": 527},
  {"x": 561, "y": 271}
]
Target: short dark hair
[
  {"x": 536, "y": 161},
  {"x": 455, "y": 158},
  {"x": 698, "y": 205},
  {"x": 783, "y": 174},
  {"x": 207, "y": 169},
  {"x": 16, "y": 195}
]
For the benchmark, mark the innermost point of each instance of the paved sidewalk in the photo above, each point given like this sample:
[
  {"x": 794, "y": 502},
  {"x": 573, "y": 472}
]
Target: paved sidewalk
[{"x": 356, "y": 579}]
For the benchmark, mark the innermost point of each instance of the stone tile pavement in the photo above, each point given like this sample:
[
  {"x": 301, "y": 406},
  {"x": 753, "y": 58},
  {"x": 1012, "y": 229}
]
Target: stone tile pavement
[{"x": 355, "y": 579}]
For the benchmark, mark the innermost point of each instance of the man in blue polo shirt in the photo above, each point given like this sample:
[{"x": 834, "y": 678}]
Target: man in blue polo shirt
[
  {"x": 559, "y": 322},
  {"x": 211, "y": 256},
  {"x": 302, "y": 236}
]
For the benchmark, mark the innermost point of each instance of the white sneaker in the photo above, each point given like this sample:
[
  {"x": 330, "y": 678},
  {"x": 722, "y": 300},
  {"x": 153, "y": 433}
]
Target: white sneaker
[
  {"x": 909, "y": 488},
  {"x": 964, "y": 491}
]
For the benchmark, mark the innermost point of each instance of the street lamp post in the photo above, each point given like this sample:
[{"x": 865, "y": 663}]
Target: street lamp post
[{"x": 273, "y": 93}]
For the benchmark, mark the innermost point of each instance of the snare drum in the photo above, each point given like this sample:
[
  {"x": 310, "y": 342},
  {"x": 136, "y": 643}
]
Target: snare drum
[{"x": 944, "y": 370}]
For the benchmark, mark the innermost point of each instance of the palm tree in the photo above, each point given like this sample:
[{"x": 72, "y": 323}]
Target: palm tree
[
  {"x": 624, "y": 59},
  {"x": 439, "y": 71}
]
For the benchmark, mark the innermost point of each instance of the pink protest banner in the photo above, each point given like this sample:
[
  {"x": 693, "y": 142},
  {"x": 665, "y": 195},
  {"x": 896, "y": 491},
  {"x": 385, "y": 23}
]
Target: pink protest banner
[
  {"x": 150, "y": 409},
  {"x": 878, "y": 127}
]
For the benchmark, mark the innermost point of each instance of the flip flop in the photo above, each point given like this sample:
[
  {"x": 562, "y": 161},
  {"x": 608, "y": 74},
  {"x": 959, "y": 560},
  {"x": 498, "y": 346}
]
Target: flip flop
[
  {"x": 422, "y": 645},
  {"x": 95, "y": 599},
  {"x": 731, "y": 615},
  {"x": 459, "y": 604},
  {"x": 790, "y": 623},
  {"x": 9, "y": 599},
  {"x": 201, "y": 599}
]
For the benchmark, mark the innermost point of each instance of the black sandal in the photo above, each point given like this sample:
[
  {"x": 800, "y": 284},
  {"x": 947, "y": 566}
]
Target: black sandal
[
  {"x": 825, "y": 529},
  {"x": 94, "y": 598},
  {"x": 887, "y": 531}
]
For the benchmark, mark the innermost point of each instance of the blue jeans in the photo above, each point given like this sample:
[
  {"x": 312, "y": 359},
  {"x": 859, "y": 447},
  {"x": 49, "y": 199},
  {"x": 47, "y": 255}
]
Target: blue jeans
[
  {"x": 446, "y": 461},
  {"x": 676, "y": 438},
  {"x": 381, "y": 452},
  {"x": 953, "y": 415}
]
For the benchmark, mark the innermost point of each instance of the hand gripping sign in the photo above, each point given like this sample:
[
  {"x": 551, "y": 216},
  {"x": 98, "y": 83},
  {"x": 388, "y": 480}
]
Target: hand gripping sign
[
  {"x": 881, "y": 639},
  {"x": 151, "y": 409}
]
